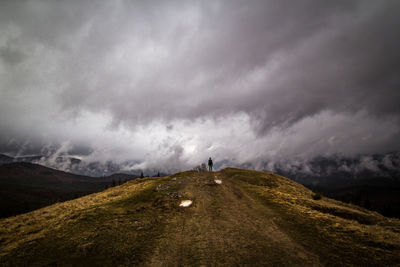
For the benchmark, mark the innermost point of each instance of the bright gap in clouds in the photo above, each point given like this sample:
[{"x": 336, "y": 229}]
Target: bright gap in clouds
[{"x": 183, "y": 144}]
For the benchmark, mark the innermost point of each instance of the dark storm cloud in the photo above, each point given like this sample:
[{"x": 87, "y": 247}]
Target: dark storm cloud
[
  {"x": 10, "y": 56},
  {"x": 341, "y": 56},
  {"x": 284, "y": 66}
]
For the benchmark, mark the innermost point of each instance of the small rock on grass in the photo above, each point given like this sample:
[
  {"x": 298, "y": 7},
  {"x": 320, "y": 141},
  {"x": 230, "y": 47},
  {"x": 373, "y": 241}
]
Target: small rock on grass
[{"x": 185, "y": 203}]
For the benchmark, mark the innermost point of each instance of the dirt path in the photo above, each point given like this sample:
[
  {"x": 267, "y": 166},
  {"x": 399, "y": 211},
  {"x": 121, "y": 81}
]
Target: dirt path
[{"x": 225, "y": 226}]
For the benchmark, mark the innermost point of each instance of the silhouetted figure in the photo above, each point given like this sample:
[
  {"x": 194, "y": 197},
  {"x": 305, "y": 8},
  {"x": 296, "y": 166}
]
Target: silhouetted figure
[{"x": 210, "y": 164}]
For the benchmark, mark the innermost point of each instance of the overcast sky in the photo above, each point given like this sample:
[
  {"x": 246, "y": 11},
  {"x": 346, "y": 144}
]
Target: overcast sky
[{"x": 174, "y": 82}]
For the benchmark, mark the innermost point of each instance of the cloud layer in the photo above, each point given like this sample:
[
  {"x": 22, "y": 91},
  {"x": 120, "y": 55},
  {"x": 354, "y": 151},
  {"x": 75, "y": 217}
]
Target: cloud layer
[{"x": 171, "y": 83}]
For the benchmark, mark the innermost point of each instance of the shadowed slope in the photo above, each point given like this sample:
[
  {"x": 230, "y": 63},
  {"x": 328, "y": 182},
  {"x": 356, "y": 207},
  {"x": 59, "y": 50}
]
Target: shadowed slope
[
  {"x": 250, "y": 218},
  {"x": 25, "y": 186}
]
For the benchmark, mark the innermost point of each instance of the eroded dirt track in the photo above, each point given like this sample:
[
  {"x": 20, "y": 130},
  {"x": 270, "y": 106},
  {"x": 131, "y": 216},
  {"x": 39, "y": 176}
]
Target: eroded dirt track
[{"x": 225, "y": 226}]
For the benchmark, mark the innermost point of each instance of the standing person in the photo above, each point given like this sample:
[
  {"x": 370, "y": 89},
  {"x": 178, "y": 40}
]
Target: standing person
[{"x": 210, "y": 164}]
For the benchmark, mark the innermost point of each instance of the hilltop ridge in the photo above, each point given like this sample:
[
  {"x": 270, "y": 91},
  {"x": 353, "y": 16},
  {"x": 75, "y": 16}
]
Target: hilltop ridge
[{"x": 252, "y": 218}]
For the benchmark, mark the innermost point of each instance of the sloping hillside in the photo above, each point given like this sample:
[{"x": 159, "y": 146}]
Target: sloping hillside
[
  {"x": 250, "y": 218},
  {"x": 25, "y": 187}
]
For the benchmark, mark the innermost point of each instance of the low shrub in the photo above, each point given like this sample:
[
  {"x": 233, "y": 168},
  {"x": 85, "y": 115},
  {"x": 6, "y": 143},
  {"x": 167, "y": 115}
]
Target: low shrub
[{"x": 316, "y": 196}]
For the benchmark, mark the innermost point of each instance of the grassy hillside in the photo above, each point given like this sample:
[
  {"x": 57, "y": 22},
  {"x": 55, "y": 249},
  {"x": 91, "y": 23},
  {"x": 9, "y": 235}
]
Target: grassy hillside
[
  {"x": 252, "y": 218},
  {"x": 25, "y": 187}
]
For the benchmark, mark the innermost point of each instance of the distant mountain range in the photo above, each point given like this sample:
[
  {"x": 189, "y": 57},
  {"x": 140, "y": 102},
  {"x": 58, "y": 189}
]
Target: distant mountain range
[
  {"x": 5, "y": 159},
  {"x": 372, "y": 181},
  {"x": 333, "y": 170},
  {"x": 77, "y": 166},
  {"x": 338, "y": 171}
]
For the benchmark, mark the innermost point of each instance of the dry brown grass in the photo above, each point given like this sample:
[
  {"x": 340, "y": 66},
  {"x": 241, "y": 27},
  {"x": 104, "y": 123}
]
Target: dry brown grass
[
  {"x": 363, "y": 236},
  {"x": 27, "y": 227},
  {"x": 252, "y": 218}
]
